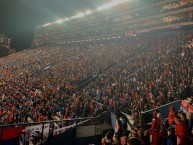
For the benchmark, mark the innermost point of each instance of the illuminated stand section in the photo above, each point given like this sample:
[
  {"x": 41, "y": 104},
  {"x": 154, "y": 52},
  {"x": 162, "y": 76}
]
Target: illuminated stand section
[
  {"x": 118, "y": 18},
  {"x": 69, "y": 29}
]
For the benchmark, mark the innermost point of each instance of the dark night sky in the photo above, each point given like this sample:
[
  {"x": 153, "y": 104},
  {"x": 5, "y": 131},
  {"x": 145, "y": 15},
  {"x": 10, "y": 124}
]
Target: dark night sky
[{"x": 18, "y": 18}]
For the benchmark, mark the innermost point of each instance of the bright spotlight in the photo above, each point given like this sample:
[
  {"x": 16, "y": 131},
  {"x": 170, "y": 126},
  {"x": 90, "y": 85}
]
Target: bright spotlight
[
  {"x": 111, "y": 4},
  {"x": 59, "y": 21},
  {"x": 80, "y": 15},
  {"x": 88, "y": 12},
  {"x": 66, "y": 19},
  {"x": 48, "y": 24}
]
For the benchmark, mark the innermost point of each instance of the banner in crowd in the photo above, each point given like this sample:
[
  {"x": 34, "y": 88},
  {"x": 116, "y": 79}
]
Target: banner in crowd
[
  {"x": 36, "y": 131},
  {"x": 10, "y": 136},
  {"x": 186, "y": 107},
  {"x": 114, "y": 121},
  {"x": 10, "y": 133},
  {"x": 105, "y": 117},
  {"x": 63, "y": 129}
]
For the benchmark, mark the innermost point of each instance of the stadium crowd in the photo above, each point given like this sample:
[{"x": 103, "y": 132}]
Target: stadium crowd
[
  {"x": 176, "y": 130},
  {"x": 42, "y": 83}
]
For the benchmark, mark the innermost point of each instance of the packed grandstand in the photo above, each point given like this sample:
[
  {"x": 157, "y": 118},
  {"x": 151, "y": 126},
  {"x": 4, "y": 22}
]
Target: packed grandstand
[{"x": 135, "y": 56}]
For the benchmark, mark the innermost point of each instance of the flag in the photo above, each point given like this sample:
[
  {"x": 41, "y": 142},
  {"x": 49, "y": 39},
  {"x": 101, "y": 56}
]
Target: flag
[
  {"x": 10, "y": 133},
  {"x": 10, "y": 136}
]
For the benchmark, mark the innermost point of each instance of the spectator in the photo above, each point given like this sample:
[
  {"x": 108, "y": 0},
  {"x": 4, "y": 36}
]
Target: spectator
[
  {"x": 163, "y": 131},
  {"x": 108, "y": 140},
  {"x": 171, "y": 137},
  {"x": 183, "y": 118},
  {"x": 190, "y": 137},
  {"x": 116, "y": 140},
  {"x": 171, "y": 115},
  {"x": 124, "y": 136},
  {"x": 103, "y": 141},
  {"x": 140, "y": 133},
  {"x": 133, "y": 133},
  {"x": 146, "y": 138},
  {"x": 136, "y": 119},
  {"x": 156, "y": 137},
  {"x": 134, "y": 141},
  {"x": 159, "y": 119},
  {"x": 181, "y": 131}
]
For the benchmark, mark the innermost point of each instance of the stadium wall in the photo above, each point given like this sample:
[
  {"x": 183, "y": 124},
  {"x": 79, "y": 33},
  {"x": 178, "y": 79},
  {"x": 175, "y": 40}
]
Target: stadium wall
[{"x": 66, "y": 138}]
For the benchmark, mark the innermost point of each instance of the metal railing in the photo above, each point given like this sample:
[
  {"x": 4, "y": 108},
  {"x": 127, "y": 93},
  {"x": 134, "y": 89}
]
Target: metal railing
[{"x": 74, "y": 121}]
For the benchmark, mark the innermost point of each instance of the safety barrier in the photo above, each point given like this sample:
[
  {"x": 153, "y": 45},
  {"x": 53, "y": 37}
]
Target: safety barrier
[{"x": 37, "y": 132}]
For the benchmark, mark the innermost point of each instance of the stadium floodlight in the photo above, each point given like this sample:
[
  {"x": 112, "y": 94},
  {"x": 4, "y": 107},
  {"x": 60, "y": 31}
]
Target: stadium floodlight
[
  {"x": 79, "y": 15},
  {"x": 66, "y": 19},
  {"x": 59, "y": 21},
  {"x": 88, "y": 12},
  {"x": 111, "y": 4},
  {"x": 48, "y": 24}
]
